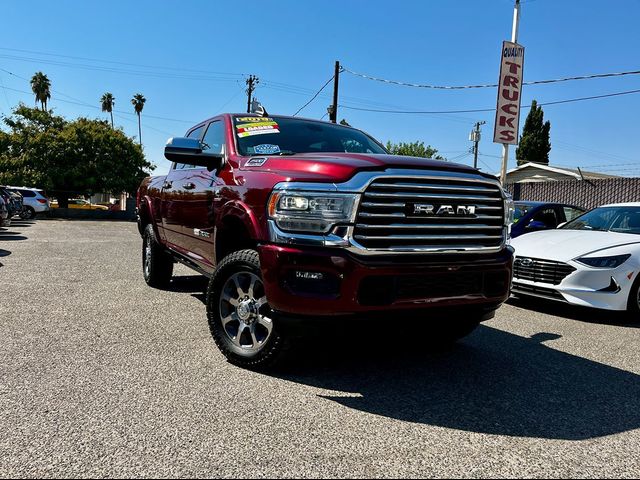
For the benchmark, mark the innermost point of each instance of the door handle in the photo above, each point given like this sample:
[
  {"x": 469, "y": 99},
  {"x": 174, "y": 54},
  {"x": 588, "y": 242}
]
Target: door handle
[
  {"x": 167, "y": 184},
  {"x": 189, "y": 186}
]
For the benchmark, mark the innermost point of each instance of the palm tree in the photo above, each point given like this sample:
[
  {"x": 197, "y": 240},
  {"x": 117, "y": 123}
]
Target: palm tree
[
  {"x": 108, "y": 101},
  {"x": 138, "y": 104},
  {"x": 41, "y": 87}
]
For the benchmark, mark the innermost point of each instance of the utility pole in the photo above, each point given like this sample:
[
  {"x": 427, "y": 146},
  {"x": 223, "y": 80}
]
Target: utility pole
[
  {"x": 251, "y": 82},
  {"x": 514, "y": 39},
  {"x": 333, "y": 110},
  {"x": 475, "y": 138}
]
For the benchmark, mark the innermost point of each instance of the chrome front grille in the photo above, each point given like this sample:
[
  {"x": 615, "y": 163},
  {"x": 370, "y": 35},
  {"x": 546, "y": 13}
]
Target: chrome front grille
[
  {"x": 426, "y": 214},
  {"x": 543, "y": 271}
]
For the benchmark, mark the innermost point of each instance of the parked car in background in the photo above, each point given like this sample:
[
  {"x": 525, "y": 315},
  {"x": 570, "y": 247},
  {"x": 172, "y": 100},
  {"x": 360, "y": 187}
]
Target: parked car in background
[
  {"x": 5, "y": 220},
  {"x": 535, "y": 216},
  {"x": 112, "y": 206},
  {"x": 592, "y": 261},
  {"x": 12, "y": 201},
  {"x": 81, "y": 204},
  {"x": 34, "y": 201}
]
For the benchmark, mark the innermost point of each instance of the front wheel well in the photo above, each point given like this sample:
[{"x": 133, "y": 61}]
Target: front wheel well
[{"x": 232, "y": 236}]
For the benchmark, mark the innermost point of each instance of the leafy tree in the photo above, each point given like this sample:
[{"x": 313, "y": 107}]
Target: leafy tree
[
  {"x": 414, "y": 149},
  {"x": 107, "y": 102},
  {"x": 138, "y": 102},
  {"x": 68, "y": 158},
  {"x": 535, "y": 143},
  {"x": 41, "y": 87}
]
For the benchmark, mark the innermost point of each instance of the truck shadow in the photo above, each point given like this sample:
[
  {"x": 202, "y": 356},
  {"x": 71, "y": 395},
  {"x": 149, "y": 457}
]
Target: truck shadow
[
  {"x": 493, "y": 382},
  {"x": 573, "y": 312},
  {"x": 189, "y": 284}
]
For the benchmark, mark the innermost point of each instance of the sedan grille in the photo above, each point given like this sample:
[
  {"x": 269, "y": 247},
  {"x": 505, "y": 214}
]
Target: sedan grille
[
  {"x": 543, "y": 271},
  {"x": 431, "y": 214}
]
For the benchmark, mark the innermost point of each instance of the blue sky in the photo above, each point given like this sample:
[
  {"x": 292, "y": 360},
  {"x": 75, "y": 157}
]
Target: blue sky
[{"x": 188, "y": 59}]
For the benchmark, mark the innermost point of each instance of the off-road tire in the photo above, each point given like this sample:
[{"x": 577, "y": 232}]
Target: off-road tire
[
  {"x": 276, "y": 344},
  {"x": 158, "y": 272}
]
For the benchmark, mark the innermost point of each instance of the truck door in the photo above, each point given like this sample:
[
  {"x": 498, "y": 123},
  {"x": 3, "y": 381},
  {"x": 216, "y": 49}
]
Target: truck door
[
  {"x": 197, "y": 214},
  {"x": 173, "y": 196}
]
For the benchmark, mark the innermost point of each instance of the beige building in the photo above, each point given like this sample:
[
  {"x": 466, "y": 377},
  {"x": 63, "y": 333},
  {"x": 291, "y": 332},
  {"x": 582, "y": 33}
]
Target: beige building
[{"x": 535, "y": 172}]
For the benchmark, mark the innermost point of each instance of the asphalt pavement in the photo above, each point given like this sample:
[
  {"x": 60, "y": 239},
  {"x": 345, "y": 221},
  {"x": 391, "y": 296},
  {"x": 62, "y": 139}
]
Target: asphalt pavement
[{"x": 102, "y": 376}]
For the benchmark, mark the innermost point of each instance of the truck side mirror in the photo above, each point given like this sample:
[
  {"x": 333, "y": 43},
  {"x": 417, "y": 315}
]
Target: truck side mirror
[{"x": 189, "y": 151}]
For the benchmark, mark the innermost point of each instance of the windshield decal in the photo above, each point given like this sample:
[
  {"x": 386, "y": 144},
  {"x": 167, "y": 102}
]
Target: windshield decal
[
  {"x": 253, "y": 119},
  {"x": 266, "y": 149},
  {"x": 249, "y": 129}
]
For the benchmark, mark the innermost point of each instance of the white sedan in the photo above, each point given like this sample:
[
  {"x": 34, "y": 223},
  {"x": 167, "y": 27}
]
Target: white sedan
[{"x": 593, "y": 261}]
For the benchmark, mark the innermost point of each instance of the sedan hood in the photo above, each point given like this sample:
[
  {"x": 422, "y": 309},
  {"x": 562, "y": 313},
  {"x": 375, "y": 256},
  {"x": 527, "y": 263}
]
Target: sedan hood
[
  {"x": 340, "y": 167},
  {"x": 563, "y": 245}
]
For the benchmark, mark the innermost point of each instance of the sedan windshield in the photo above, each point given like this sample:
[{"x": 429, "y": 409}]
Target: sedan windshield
[
  {"x": 608, "y": 219},
  {"x": 288, "y": 136}
]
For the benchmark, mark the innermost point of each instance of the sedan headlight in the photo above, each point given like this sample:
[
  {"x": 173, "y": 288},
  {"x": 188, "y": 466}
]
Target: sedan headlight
[
  {"x": 311, "y": 212},
  {"x": 604, "y": 262}
]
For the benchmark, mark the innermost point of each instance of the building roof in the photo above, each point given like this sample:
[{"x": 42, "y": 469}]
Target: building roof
[{"x": 536, "y": 172}]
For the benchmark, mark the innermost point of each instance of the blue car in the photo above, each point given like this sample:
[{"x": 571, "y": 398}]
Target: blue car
[{"x": 535, "y": 216}]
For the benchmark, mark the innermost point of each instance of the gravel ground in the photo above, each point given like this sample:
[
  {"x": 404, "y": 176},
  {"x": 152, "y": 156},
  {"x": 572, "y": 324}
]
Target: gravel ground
[{"x": 101, "y": 376}]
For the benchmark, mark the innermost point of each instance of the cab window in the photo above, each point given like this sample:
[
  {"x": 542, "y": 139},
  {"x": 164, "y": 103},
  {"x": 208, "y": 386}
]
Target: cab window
[
  {"x": 195, "y": 133},
  {"x": 213, "y": 141}
]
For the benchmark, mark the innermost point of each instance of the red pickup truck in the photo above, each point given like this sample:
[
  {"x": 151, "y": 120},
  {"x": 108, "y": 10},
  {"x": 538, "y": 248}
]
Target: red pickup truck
[{"x": 297, "y": 221}]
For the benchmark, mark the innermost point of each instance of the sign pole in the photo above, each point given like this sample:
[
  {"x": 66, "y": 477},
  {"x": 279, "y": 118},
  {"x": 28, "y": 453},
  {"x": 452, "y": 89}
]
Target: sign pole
[{"x": 514, "y": 39}]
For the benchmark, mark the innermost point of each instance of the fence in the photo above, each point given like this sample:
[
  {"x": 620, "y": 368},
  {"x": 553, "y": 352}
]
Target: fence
[{"x": 583, "y": 193}]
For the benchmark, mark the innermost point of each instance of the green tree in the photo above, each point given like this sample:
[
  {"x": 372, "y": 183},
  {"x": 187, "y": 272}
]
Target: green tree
[
  {"x": 107, "y": 102},
  {"x": 138, "y": 102},
  {"x": 68, "y": 158},
  {"x": 535, "y": 143},
  {"x": 41, "y": 87},
  {"x": 414, "y": 149}
]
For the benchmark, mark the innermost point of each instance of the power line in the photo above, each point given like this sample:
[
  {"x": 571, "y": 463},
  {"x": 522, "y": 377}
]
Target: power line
[
  {"x": 139, "y": 73},
  {"x": 558, "y": 102},
  {"x": 163, "y": 67},
  {"x": 314, "y": 97},
  {"x": 77, "y": 101},
  {"x": 492, "y": 85},
  {"x": 117, "y": 113}
]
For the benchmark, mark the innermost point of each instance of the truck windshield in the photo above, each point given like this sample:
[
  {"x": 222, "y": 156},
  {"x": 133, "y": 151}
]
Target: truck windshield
[
  {"x": 287, "y": 136},
  {"x": 609, "y": 219}
]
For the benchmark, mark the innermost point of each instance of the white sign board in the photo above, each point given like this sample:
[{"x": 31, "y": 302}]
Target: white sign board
[{"x": 506, "y": 129}]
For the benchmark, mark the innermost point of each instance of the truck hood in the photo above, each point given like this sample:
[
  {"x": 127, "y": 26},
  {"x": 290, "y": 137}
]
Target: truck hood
[
  {"x": 563, "y": 245},
  {"x": 340, "y": 167}
]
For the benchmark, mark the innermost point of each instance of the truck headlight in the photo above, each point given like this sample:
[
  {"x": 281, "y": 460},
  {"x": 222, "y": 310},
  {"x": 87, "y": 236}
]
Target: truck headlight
[
  {"x": 311, "y": 212},
  {"x": 604, "y": 262},
  {"x": 509, "y": 209}
]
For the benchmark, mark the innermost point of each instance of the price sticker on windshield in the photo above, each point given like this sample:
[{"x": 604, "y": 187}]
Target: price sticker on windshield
[{"x": 249, "y": 126}]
